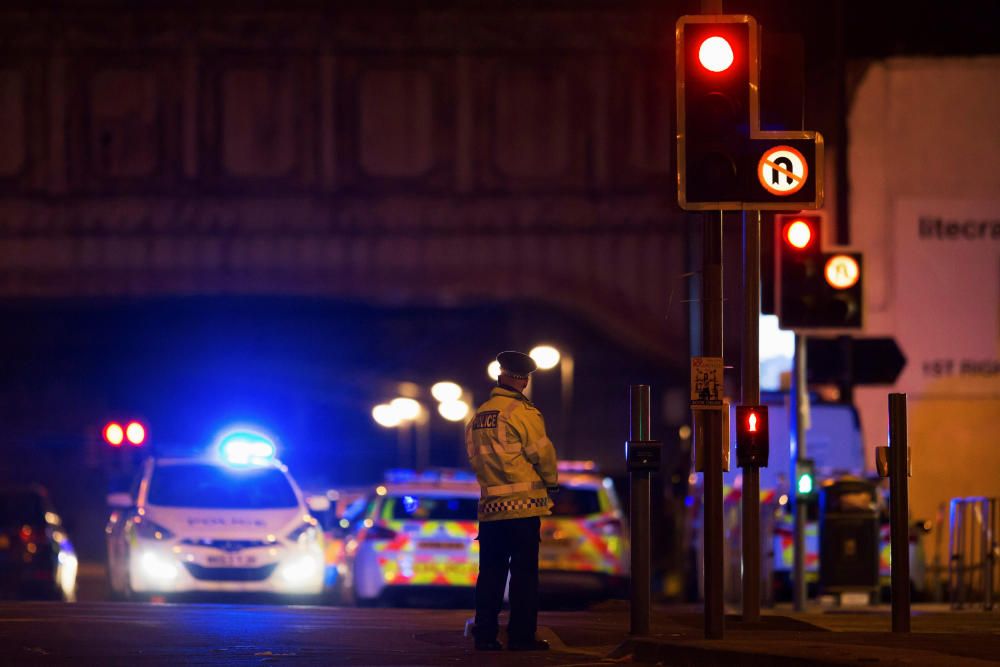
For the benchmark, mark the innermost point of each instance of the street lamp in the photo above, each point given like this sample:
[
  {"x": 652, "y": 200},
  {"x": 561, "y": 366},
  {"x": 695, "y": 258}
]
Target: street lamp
[
  {"x": 545, "y": 356},
  {"x": 404, "y": 412},
  {"x": 548, "y": 357},
  {"x": 493, "y": 370},
  {"x": 384, "y": 415},
  {"x": 446, "y": 391},
  {"x": 454, "y": 411}
]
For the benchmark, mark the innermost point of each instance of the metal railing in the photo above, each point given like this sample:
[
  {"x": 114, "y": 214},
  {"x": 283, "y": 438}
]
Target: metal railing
[{"x": 974, "y": 556}]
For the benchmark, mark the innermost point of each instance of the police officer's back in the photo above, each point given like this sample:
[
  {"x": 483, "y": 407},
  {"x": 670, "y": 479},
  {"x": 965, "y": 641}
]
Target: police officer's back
[{"x": 515, "y": 463}]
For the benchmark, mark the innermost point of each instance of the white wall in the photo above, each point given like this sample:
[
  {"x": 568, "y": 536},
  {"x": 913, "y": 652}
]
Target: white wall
[{"x": 925, "y": 143}]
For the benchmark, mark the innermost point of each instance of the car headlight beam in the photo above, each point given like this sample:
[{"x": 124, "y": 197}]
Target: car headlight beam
[{"x": 158, "y": 568}]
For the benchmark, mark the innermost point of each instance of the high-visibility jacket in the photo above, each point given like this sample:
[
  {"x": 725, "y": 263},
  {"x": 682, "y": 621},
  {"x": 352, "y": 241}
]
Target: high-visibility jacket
[{"x": 512, "y": 457}]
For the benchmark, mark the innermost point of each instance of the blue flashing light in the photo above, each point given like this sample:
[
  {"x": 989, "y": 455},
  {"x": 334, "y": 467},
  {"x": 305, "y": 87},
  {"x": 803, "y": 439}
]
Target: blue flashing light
[
  {"x": 247, "y": 448},
  {"x": 432, "y": 476}
]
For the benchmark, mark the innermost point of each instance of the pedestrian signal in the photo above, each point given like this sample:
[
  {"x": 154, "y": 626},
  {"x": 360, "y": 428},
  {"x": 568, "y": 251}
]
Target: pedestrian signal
[
  {"x": 752, "y": 440},
  {"x": 805, "y": 479}
]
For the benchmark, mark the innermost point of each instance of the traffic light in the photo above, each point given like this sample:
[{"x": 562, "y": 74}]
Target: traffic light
[
  {"x": 724, "y": 160},
  {"x": 816, "y": 289},
  {"x": 715, "y": 62},
  {"x": 116, "y": 435},
  {"x": 805, "y": 479},
  {"x": 752, "y": 446}
]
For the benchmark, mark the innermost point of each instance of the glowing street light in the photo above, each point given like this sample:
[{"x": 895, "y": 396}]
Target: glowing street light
[
  {"x": 545, "y": 356},
  {"x": 454, "y": 411},
  {"x": 385, "y": 415},
  {"x": 445, "y": 392},
  {"x": 406, "y": 409},
  {"x": 493, "y": 370}
]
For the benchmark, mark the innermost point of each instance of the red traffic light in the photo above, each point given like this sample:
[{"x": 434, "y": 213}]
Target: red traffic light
[
  {"x": 799, "y": 234},
  {"x": 114, "y": 434},
  {"x": 716, "y": 54},
  {"x": 136, "y": 433},
  {"x": 752, "y": 446}
]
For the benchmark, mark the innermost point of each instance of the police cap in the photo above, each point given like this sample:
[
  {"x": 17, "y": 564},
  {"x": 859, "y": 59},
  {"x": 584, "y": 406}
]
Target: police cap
[{"x": 517, "y": 364}]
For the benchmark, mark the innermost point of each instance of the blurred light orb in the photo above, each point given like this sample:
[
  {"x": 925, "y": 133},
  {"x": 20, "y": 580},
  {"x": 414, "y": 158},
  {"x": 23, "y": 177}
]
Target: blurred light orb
[
  {"x": 715, "y": 54},
  {"x": 384, "y": 415},
  {"x": 406, "y": 409},
  {"x": 545, "y": 356},
  {"x": 799, "y": 234},
  {"x": 445, "y": 392},
  {"x": 493, "y": 370},
  {"x": 136, "y": 433},
  {"x": 114, "y": 434},
  {"x": 454, "y": 411}
]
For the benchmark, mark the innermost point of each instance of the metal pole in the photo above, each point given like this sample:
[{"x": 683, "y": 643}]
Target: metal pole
[
  {"x": 712, "y": 346},
  {"x": 800, "y": 407},
  {"x": 639, "y": 522},
  {"x": 986, "y": 554},
  {"x": 566, "y": 368},
  {"x": 990, "y": 507},
  {"x": 750, "y": 384},
  {"x": 899, "y": 535}
]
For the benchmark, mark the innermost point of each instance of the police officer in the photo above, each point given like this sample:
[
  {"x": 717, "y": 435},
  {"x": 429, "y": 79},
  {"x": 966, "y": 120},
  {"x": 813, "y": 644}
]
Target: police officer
[{"x": 515, "y": 463}]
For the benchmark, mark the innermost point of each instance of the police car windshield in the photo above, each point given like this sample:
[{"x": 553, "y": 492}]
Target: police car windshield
[
  {"x": 214, "y": 487},
  {"x": 432, "y": 508},
  {"x": 576, "y": 502}
]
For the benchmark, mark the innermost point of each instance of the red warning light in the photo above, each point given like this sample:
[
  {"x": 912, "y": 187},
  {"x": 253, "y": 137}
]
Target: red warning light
[
  {"x": 715, "y": 54},
  {"x": 136, "y": 433},
  {"x": 114, "y": 435},
  {"x": 752, "y": 422},
  {"x": 799, "y": 234}
]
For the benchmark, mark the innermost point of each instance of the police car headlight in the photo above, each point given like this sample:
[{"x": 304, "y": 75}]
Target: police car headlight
[
  {"x": 158, "y": 568},
  {"x": 301, "y": 569}
]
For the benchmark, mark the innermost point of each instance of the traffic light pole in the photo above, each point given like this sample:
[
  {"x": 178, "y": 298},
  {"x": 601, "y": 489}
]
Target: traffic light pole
[
  {"x": 750, "y": 384},
  {"x": 711, "y": 346},
  {"x": 899, "y": 528},
  {"x": 799, "y": 413}
]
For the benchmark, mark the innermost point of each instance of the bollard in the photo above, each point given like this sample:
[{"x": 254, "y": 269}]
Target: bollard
[
  {"x": 642, "y": 456},
  {"x": 899, "y": 535}
]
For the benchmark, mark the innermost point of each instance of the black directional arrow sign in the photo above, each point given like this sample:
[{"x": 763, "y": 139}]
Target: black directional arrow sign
[{"x": 854, "y": 360}]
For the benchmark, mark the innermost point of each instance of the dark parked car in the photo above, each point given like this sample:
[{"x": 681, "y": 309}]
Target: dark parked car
[{"x": 36, "y": 557}]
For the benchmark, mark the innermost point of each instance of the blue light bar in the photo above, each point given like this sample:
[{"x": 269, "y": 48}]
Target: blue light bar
[
  {"x": 432, "y": 476},
  {"x": 247, "y": 448}
]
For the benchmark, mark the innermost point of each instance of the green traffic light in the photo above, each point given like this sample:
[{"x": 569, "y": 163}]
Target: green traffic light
[{"x": 805, "y": 484}]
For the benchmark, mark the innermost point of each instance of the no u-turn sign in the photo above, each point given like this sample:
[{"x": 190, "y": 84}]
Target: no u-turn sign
[{"x": 782, "y": 170}]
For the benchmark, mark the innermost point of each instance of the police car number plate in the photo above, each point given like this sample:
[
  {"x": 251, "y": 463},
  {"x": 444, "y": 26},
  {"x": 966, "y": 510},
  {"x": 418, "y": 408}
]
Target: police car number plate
[{"x": 231, "y": 560}]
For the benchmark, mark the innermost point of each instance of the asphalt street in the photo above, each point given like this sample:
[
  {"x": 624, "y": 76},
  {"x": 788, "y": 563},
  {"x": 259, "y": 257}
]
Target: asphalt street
[{"x": 111, "y": 633}]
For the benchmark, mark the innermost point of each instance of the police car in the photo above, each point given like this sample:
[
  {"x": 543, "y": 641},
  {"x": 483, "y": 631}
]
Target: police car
[
  {"x": 233, "y": 522},
  {"x": 416, "y": 532},
  {"x": 583, "y": 548}
]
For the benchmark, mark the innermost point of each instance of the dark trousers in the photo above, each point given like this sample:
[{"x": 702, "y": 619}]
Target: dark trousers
[{"x": 508, "y": 545}]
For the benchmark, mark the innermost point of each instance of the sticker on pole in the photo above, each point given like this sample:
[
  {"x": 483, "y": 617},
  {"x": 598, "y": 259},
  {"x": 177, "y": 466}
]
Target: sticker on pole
[
  {"x": 782, "y": 170},
  {"x": 706, "y": 382}
]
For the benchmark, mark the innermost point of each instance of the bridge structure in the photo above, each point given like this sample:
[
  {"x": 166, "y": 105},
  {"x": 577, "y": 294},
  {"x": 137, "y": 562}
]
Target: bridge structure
[{"x": 393, "y": 156}]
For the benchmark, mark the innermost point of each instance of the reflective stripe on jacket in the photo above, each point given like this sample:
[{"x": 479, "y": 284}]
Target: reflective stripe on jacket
[{"x": 512, "y": 457}]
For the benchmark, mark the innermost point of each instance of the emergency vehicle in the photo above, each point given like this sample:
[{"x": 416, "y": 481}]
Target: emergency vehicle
[
  {"x": 584, "y": 547},
  {"x": 416, "y": 532},
  {"x": 234, "y": 521}
]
